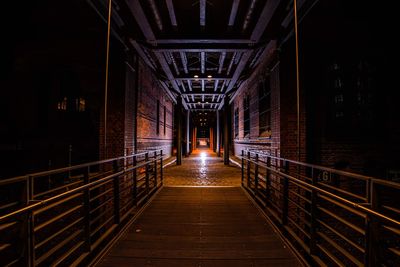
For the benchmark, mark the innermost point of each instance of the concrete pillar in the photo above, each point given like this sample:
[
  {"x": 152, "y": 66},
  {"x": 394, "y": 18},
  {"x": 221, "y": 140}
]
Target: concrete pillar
[
  {"x": 226, "y": 130},
  {"x": 218, "y": 136},
  {"x": 187, "y": 132},
  {"x": 179, "y": 131}
]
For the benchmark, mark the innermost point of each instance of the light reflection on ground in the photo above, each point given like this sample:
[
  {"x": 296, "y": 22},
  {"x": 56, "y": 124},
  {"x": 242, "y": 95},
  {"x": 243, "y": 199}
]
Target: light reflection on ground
[{"x": 202, "y": 168}]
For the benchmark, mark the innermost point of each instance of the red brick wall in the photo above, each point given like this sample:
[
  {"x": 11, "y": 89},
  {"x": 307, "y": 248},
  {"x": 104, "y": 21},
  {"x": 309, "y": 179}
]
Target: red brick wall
[{"x": 149, "y": 92}]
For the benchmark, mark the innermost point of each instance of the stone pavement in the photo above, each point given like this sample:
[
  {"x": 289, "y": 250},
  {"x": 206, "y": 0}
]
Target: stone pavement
[{"x": 202, "y": 168}]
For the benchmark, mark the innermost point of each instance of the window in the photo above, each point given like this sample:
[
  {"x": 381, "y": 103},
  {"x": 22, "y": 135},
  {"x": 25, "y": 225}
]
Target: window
[
  {"x": 236, "y": 121},
  {"x": 158, "y": 117},
  {"x": 264, "y": 108},
  {"x": 246, "y": 115},
  {"x": 165, "y": 120}
]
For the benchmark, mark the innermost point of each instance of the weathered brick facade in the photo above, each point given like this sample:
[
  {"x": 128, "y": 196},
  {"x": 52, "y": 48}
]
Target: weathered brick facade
[{"x": 283, "y": 140}]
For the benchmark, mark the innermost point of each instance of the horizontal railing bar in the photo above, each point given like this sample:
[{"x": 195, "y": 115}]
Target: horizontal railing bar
[
  {"x": 362, "y": 250},
  {"x": 299, "y": 227},
  {"x": 350, "y": 203},
  {"x": 70, "y": 225},
  {"x": 54, "y": 219},
  {"x": 350, "y": 209},
  {"x": 298, "y": 239},
  {"x": 343, "y": 191},
  {"x": 37, "y": 212},
  {"x": 57, "y": 247},
  {"x": 9, "y": 205},
  {"x": 7, "y": 225},
  {"x": 336, "y": 171},
  {"x": 330, "y": 256},
  {"x": 98, "y": 228},
  {"x": 340, "y": 219},
  {"x": 340, "y": 249},
  {"x": 67, "y": 254},
  {"x": 57, "y": 189}
]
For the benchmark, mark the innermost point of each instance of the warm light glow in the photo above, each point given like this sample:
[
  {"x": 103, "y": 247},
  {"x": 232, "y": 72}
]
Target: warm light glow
[
  {"x": 203, "y": 157},
  {"x": 209, "y": 76},
  {"x": 196, "y": 76}
]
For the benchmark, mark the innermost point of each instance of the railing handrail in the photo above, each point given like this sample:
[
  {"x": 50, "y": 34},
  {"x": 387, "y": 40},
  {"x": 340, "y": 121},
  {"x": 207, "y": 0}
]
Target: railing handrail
[
  {"x": 70, "y": 168},
  {"x": 310, "y": 186},
  {"x": 324, "y": 168},
  {"x": 39, "y": 203}
]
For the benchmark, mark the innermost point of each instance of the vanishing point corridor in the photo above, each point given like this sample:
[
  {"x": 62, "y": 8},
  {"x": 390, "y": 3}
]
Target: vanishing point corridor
[
  {"x": 201, "y": 217},
  {"x": 199, "y": 133}
]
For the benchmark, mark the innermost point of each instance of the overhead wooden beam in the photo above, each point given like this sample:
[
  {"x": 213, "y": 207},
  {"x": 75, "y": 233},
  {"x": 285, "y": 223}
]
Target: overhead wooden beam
[
  {"x": 171, "y": 12},
  {"x": 141, "y": 19},
  {"x": 265, "y": 17},
  {"x": 234, "y": 10}
]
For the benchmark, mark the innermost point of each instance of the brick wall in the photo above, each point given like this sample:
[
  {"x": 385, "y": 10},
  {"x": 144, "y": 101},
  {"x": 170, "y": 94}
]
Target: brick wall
[{"x": 149, "y": 92}]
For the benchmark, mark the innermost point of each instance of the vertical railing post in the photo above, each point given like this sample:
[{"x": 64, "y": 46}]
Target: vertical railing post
[
  {"x": 248, "y": 170},
  {"x": 86, "y": 202},
  {"x": 372, "y": 251},
  {"x": 314, "y": 224},
  {"x": 155, "y": 169},
  {"x": 134, "y": 177},
  {"x": 256, "y": 175},
  {"x": 117, "y": 216},
  {"x": 242, "y": 168},
  {"x": 30, "y": 224},
  {"x": 161, "y": 168},
  {"x": 267, "y": 180},
  {"x": 147, "y": 169},
  {"x": 285, "y": 194}
]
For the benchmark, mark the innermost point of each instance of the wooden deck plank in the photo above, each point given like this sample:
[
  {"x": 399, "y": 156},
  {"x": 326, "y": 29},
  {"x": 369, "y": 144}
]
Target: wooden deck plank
[{"x": 189, "y": 226}]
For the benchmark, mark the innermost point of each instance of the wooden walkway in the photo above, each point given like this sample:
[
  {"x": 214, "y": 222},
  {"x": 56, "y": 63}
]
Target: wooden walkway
[{"x": 200, "y": 226}]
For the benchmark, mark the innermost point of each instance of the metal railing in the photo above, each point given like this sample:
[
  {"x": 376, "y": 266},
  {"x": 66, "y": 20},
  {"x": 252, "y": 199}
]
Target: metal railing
[
  {"x": 330, "y": 217},
  {"x": 66, "y": 216}
]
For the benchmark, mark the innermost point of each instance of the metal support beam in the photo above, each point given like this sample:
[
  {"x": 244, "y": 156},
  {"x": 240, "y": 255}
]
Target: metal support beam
[
  {"x": 216, "y": 85},
  {"x": 218, "y": 136},
  {"x": 249, "y": 14},
  {"x": 234, "y": 9},
  {"x": 203, "y": 62},
  {"x": 189, "y": 85},
  {"x": 226, "y": 130},
  {"x": 221, "y": 62},
  {"x": 239, "y": 69},
  {"x": 202, "y": 85},
  {"x": 141, "y": 53},
  {"x": 265, "y": 18},
  {"x": 187, "y": 132},
  {"x": 141, "y": 19},
  {"x": 202, "y": 12},
  {"x": 231, "y": 63},
  {"x": 184, "y": 61},
  {"x": 167, "y": 70},
  {"x": 179, "y": 131},
  {"x": 156, "y": 14},
  {"x": 171, "y": 12}
]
